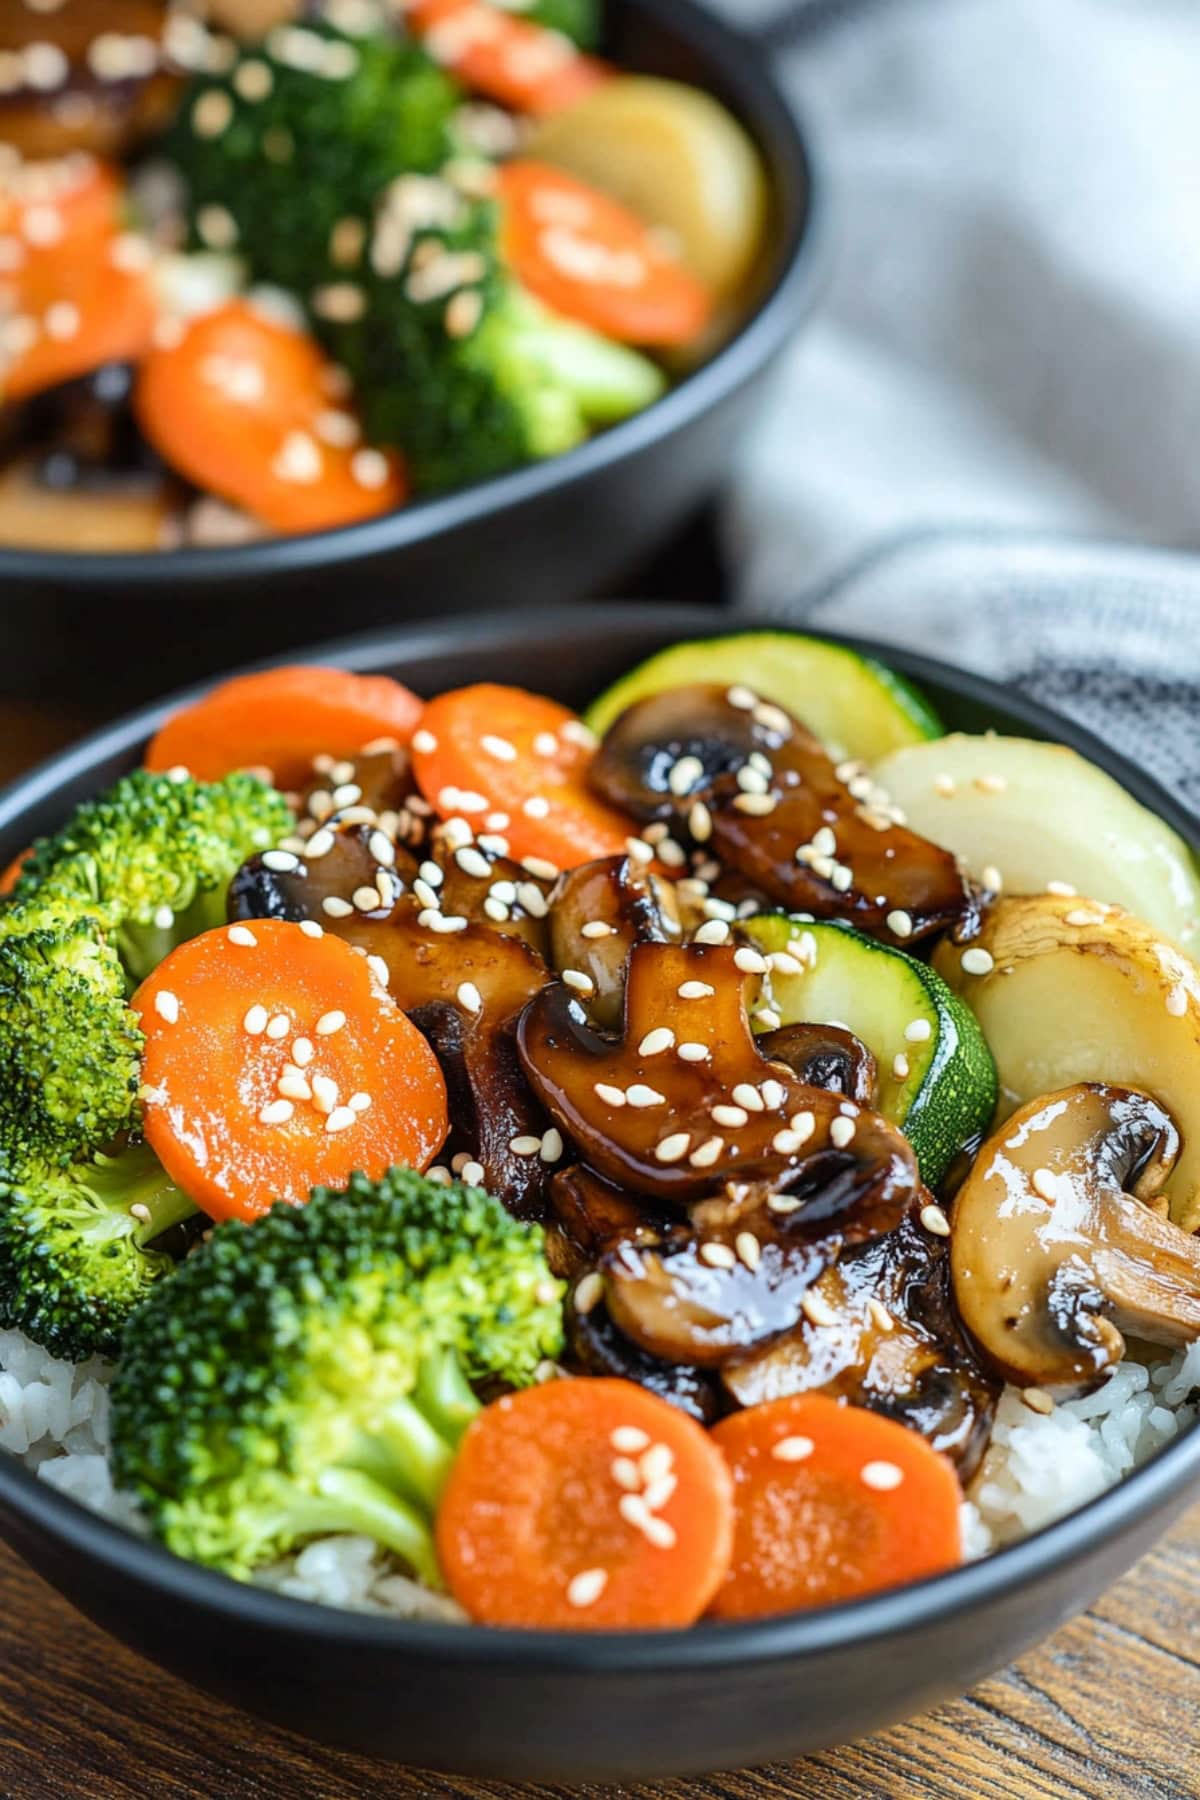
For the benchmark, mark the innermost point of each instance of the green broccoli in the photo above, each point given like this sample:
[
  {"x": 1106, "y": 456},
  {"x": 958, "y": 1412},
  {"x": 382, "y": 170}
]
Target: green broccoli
[
  {"x": 312, "y": 1372},
  {"x": 69, "y": 1045},
  {"x": 74, "y": 1262},
  {"x": 396, "y": 254},
  {"x": 580, "y": 20},
  {"x": 151, "y": 860}
]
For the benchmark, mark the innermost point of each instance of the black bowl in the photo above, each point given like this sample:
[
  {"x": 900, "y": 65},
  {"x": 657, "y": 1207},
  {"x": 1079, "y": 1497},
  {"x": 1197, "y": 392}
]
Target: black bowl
[
  {"x": 561, "y": 530},
  {"x": 584, "y": 1708}
]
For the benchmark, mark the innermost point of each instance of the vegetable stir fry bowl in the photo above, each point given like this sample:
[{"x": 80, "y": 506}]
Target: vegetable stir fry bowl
[
  {"x": 588, "y": 1706},
  {"x": 565, "y": 527}
]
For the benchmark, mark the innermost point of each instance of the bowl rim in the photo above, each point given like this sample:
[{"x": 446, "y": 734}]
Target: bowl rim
[
  {"x": 797, "y": 271},
  {"x": 708, "y": 1645}
]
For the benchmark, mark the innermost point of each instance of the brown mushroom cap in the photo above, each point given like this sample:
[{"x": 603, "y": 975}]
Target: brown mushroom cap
[
  {"x": 882, "y": 1333},
  {"x": 104, "y": 102},
  {"x": 632, "y": 905},
  {"x": 684, "y": 1101},
  {"x": 763, "y": 793},
  {"x": 825, "y": 1056},
  {"x": 1057, "y": 1247}
]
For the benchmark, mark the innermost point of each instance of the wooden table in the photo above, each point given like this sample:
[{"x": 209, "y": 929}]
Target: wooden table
[{"x": 1105, "y": 1708}]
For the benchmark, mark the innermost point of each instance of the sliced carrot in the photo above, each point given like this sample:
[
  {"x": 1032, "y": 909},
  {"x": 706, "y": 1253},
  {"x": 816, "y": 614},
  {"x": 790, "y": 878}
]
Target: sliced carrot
[
  {"x": 585, "y": 1504},
  {"x": 243, "y": 406},
  {"x": 12, "y": 874},
  {"x": 279, "y": 719},
  {"x": 590, "y": 258},
  {"x": 489, "y": 750},
  {"x": 831, "y": 1502},
  {"x": 231, "y": 1014},
  {"x": 74, "y": 292},
  {"x": 514, "y": 61}
]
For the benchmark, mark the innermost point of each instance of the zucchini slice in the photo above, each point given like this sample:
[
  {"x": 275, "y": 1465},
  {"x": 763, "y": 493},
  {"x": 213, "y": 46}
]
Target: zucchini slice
[
  {"x": 852, "y": 703},
  {"x": 942, "y": 1090}
]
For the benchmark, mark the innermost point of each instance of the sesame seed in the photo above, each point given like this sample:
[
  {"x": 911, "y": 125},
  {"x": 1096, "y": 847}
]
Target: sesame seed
[
  {"x": 945, "y": 785},
  {"x": 536, "y": 807},
  {"x": 243, "y": 936},
  {"x": 672, "y": 1148},
  {"x": 768, "y": 1019},
  {"x": 574, "y": 731},
  {"x": 719, "y": 909},
  {"x": 992, "y": 879},
  {"x": 748, "y": 1248},
  {"x": 991, "y": 784},
  {"x": 495, "y": 910},
  {"x": 729, "y": 1116},
  {"x": 335, "y": 907},
  {"x": 293, "y": 1085},
  {"x": 744, "y": 699},
  {"x": 918, "y": 1031},
  {"x": 695, "y": 990},
  {"x": 278, "y": 1026},
  {"x": 139, "y": 1210},
  {"x": 325, "y": 1093},
  {"x": 748, "y": 1096},
  {"x": 611, "y": 1096},
  {"x": 498, "y": 747},
  {"x": 540, "y": 867},
  {"x": 366, "y": 899},
  {"x": 880, "y": 1315},
  {"x": 330, "y": 1022},
  {"x": 655, "y": 1463},
  {"x": 340, "y": 1119},
  {"x": 817, "y": 1309},
  {"x": 977, "y": 961},
  {"x": 780, "y": 963},
  {"x": 700, "y": 822},
  {"x": 658, "y": 1532},
  {"x": 1062, "y": 888},
  {"x": 425, "y": 895},
  {"x": 693, "y": 1053},
  {"x": 596, "y": 928},
  {"x": 382, "y": 848},
  {"x": 472, "y": 863},
  {"x": 633, "y": 1510},
  {"x": 900, "y": 1066},
  {"x": 793, "y": 1449},
  {"x": 166, "y": 1005},
  {"x": 841, "y": 1132},
  {"x": 882, "y": 1476},
  {"x": 786, "y": 1143},
  {"x": 934, "y": 1220},
  {"x": 713, "y": 931},
  {"x": 151, "y": 1094},
  {"x": 472, "y": 1173},
  {"x": 302, "y": 1052},
  {"x": 588, "y": 1292},
  {"x": 639, "y": 851},
  {"x": 575, "y": 978},
  {"x": 782, "y": 1204},
  {"x": 640, "y": 1095},
  {"x": 430, "y": 872},
  {"x": 1177, "y": 1001},
  {"x": 276, "y": 1112},
  {"x": 424, "y": 741},
  {"x": 707, "y": 1153},
  {"x": 626, "y": 1474},
  {"x": 212, "y": 113},
  {"x": 1045, "y": 1183},
  {"x": 525, "y": 1145},
  {"x": 900, "y": 924},
  {"x": 586, "y": 1588},
  {"x": 469, "y": 996},
  {"x": 552, "y": 1146},
  {"x": 1080, "y": 915},
  {"x": 842, "y": 879},
  {"x": 718, "y": 1256},
  {"x": 359, "y": 1103},
  {"x": 658, "y": 1492},
  {"x": 656, "y": 1041},
  {"x": 749, "y": 962},
  {"x": 319, "y": 845},
  {"x": 1038, "y": 1400}
]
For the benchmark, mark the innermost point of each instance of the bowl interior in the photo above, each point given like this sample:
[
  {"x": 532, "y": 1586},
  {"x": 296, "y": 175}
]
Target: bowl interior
[{"x": 572, "y": 656}]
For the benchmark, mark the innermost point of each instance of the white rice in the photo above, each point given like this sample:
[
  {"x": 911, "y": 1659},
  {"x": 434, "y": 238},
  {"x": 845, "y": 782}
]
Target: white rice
[{"x": 54, "y": 1416}]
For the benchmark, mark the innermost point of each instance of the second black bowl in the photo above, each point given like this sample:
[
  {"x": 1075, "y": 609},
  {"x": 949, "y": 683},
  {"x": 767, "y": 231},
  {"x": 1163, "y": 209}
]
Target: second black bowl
[
  {"x": 551, "y": 1706},
  {"x": 114, "y": 629}
]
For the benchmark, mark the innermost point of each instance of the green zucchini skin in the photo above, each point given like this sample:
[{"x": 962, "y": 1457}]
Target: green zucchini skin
[
  {"x": 857, "y": 705},
  {"x": 949, "y": 1092}
]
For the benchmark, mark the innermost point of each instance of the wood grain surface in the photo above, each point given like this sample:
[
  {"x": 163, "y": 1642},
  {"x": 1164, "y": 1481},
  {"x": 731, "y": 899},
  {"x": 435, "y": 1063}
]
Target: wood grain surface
[{"x": 1106, "y": 1708}]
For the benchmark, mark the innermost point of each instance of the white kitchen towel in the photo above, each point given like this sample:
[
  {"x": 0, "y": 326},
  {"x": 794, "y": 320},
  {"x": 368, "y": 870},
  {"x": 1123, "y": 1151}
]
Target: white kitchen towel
[{"x": 1011, "y": 335}]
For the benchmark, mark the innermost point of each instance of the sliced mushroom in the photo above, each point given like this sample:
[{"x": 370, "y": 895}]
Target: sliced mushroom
[
  {"x": 95, "y": 76},
  {"x": 1058, "y": 1246},
  {"x": 596, "y": 1345},
  {"x": 825, "y": 1056},
  {"x": 751, "y": 783},
  {"x": 375, "y": 786},
  {"x": 684, "y": 1101},
  {"x": 880, "y": 1331},
  {"x": 598, "y": 912},
  {"x": 589, "y": 1217}
]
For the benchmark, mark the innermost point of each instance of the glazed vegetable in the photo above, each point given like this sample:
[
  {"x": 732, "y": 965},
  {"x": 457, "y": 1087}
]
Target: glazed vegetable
[
  {"x": 490, "y": 749},
  {"x": 937, "y": 1080},
  {"x": 69, "y": 1045},
  {"x": 105, "y": 102},
  {"x": 985, "y": 798},
  {"x": 276, "y": 1063},
  {"x": 152, "y": 858},
  {"x": 279, "y": 719},
  {"x": 515, "y": 61},
  {"x": 79, "y": 294},
  {"x": 338, "y": 1341},
  {"x": 830, "y": 1503},
  {"x": 851, "y": 702},
  {"x": 589, "y": 258},
  {"x": 1059, "y": 1245},
  {"x": 1069, "y": 990},
  {"x": 75, "y": 1255},
  {"x": 242, "y": 405},
  {"x": 585, "y": 1505}
]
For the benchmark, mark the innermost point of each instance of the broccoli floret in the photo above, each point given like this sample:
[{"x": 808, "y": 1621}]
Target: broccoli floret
[
  {"x": 152, "y": 859},
  {"x": 69, "y": 1045},
  {"x": 320, "y": 122},
  {"x": 580, "y": 20},
  {"x": 454, "y": 364},
  {"x": 74, "y": 1262},
  {"x": 311, "y": 1372}
]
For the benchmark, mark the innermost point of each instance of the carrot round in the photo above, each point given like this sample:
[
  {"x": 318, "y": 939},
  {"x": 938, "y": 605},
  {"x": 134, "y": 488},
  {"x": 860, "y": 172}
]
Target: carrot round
[
  {"x": 279, "y": 719},
  {"x": 588, "y": 1505},
  {"x": 515, "y": 61},
  {"x": 12, "y": 873},
  {"x": 588, "y": 257},
  {"x": 75, "y": 291},
  {"x": 488, "y": 750},
  {"x": 274, "y": 1063},
  {"x": 244, "y": 406},
  {"x": 831, "y": 1502}
]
